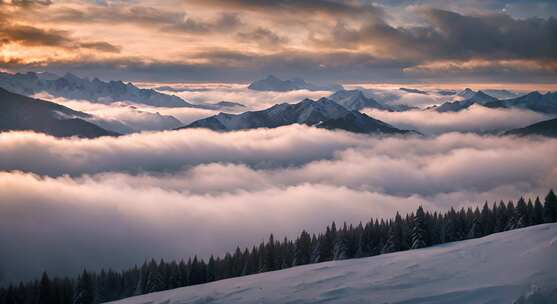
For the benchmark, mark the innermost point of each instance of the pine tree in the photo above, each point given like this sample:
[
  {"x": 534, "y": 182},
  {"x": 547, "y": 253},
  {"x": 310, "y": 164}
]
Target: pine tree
[
  {"x": 211, "y": 269},
  {"x": 475, "y": 230},
  {"x": 303, "y": 250},
  {"x": 154, "y": 279},
  {"x": 418, "y": 231},
  {"x": 522, "y": 214},
  {"x": 85, "y": 290},
  {"x": 538, "y": 212},
  {"x": 487, "y": 220},
  {"x": 512, "y": 216},
  {"x": 395, "y": 240},
  {"x": 340, "y": 249},
  {"x": 45, "y": 290},
  {"x": 550, "y": 207},
  {"x": 502, "y": 219}
]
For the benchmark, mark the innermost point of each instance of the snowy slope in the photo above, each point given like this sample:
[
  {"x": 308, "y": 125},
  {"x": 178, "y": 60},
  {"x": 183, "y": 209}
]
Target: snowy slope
[{"x": 495, "y": 269}]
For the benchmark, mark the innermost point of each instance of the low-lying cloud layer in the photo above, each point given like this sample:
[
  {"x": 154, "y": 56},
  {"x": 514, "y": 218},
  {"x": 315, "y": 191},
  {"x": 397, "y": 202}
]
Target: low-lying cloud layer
[
  {"x": 474, "y": 119},
  {"x": 174, "y": 194}
]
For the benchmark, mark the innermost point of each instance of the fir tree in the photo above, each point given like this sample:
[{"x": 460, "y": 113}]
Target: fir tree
[
  {"x": 45, "y": 290},
  {"x": 538, "y": 212},
  {"x": 550, "y": 207},
  {"x": 154, "y": 279},
  {"x": 84, "y": 292},
  {"x": 340, "y": 248},
  {"x": 303, "y": 250},
  {"x": 418, "y": 231}
]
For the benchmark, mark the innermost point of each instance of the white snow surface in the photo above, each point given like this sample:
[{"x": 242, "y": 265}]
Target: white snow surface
[{"x": 495, "y": 269}]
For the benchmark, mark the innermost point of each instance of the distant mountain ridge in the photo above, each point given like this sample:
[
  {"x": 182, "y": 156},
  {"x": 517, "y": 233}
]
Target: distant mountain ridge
[
  {"x": 546, "y": 128},
  {"x": 323, "y": 113},
  {"x": 470, "y": 98},
  {"x": 534, "y": 101},
  {"x": 73, "y": 87},
  {"x": 18, "y": 112},
  {"x": 272, "y": 83},
  {"x": 356, "y": 100}
]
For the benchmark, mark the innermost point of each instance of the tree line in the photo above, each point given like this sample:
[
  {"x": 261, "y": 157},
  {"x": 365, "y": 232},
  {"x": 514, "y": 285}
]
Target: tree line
[{"x": 377, "y": 236}]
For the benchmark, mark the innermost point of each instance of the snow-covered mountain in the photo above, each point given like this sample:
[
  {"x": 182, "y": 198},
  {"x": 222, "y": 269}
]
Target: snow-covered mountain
[
  {"x": 73, "y": 87},
  {"x": 535, "y": 101},
  {"x": 323, "y": 113},
  {"x": 272, "y": 83},
  {"x": 516, "y": 266},
  {"x": 544, "y": 128},
  {"x": 18, "y": 112},
  {"x": 470, "y": 98},
  {"x": 356, "y": 100}
]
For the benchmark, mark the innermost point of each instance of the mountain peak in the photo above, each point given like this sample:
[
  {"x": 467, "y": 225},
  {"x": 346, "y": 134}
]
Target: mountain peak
[{"x": 466, "y": 93}]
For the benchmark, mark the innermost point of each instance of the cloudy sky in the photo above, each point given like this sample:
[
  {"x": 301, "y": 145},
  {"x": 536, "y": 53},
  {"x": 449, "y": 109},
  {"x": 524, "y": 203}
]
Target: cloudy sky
[{"x": 322, "y": 40}]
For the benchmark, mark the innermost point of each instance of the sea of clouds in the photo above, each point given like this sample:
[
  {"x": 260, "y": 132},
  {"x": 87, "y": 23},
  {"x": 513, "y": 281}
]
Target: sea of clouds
[{"x": 71, "y": 203}]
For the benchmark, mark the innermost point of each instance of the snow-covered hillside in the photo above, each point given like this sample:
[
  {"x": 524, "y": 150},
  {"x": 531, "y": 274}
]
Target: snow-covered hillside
[{"x": 519, "y": 265}]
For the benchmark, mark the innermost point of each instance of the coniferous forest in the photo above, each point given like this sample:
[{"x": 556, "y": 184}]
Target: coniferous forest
[{"x": 378, "y": 236}]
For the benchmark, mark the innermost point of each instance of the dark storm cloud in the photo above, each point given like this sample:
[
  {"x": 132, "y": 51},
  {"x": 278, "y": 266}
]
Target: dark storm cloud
[
  {"x": 449, "y": 35},
  {"x": 494, "y": 36}
]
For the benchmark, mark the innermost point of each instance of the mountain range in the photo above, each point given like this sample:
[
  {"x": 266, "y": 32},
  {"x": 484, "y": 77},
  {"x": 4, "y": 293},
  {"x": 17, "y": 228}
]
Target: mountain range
[
  {"x": 18, "y": 112},
  {"x": 71, "y": 86},
  {"x": 470, "y": 98},
  {"x": 534, "y": 101},
  {"x": 323, "y": 113},
  {"x": 272, "y": 83}
]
